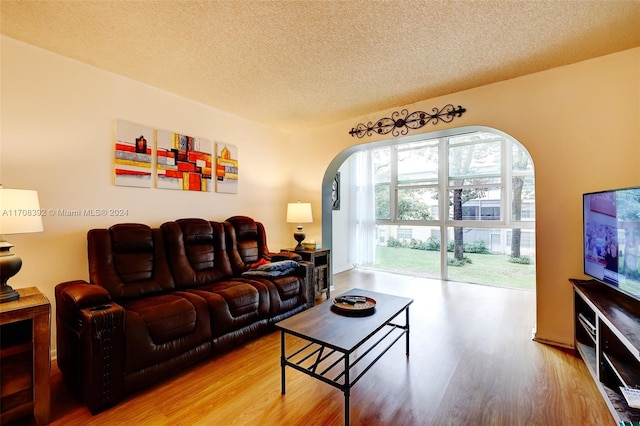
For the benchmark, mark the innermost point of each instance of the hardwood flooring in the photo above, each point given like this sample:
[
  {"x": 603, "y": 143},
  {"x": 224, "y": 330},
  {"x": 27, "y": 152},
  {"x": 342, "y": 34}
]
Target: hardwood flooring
[{"x": 472, "y": 362}]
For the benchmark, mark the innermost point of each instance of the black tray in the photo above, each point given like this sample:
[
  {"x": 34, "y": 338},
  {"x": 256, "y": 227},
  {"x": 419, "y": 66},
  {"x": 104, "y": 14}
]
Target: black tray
[{"x": 357, "y": 309}]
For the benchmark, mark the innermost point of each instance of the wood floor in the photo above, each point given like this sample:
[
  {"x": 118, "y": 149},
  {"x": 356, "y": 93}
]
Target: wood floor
[{"x": 472, "y": 362}]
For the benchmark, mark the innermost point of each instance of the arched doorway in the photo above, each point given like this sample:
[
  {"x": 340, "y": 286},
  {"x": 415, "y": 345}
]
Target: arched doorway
[{"x": 453, "y": 205}]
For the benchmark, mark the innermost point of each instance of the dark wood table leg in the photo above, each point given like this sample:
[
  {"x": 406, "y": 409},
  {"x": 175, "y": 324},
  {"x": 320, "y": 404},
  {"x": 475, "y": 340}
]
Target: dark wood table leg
[
  {"x": 41, "y": 368},
  {"x": 282, "y": 360},
  {"x": 347, "y": 391},
  {"x": 407, "y": 325}
]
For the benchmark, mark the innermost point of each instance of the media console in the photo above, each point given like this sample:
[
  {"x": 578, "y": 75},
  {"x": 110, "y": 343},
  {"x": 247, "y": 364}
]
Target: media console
[{"x": 607, "y": 337}]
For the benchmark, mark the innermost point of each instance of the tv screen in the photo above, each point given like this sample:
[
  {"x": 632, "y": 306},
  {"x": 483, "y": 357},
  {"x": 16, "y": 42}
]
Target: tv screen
[{"x": 612, "y": 238}]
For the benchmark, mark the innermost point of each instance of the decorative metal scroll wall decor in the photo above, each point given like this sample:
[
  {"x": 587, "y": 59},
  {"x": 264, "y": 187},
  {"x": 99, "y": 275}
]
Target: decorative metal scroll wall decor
[{"x": 400, "y": 122}]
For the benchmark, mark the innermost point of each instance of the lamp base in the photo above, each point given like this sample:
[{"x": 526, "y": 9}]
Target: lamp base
[
  {"x": 299, "y": 236},
  {"x": 10, "y": 264},
  {"x": 8, "y": 294}
]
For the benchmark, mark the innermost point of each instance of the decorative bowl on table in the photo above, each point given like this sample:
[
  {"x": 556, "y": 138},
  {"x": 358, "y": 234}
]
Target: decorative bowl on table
[{"x": 353, "y": 305}]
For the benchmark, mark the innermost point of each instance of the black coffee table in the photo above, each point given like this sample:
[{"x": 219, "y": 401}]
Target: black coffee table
[{"x": 338, "y": 349}]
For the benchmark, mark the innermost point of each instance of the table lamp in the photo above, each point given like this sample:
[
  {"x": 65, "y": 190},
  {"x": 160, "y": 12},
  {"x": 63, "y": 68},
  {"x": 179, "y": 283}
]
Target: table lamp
[
  {"x": 19, "y": 214},
  {"x": 299, "y": 213}
]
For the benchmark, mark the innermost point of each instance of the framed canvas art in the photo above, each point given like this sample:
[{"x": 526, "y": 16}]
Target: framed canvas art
[
  {"x": 183, "y": 162},
  {"x": 226, "y": 168},
  {"x": 133, "y": 157}
]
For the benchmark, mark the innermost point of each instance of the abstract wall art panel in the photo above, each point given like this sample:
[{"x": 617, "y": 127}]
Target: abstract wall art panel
[
  {"x": 226, "y": 168},
  {"x": 183, "y": 162},
  {"x": 133, "y": 156}
]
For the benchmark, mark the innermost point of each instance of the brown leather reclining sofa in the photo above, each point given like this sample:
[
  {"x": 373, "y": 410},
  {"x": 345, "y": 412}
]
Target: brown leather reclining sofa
[{"x": 161, "y": 299}]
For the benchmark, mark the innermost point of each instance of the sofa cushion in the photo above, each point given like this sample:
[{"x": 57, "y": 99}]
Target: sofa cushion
[
  {"x": 251, "y": 246},
  {"x": 246, "y": 242},
  {"x": 198, "y": 242},
  {"x": 285, "y": 292},
  {"x": 288, "y": 287},
  {"x": 127, "y": 238},
  {"x": 162, "y": 330},
  {"x": 234, "y": 304},
  {"x": 167, "y": 317},
  {"x": 129, "y": 261},
  {"x": 241, "y": 299},
  {"x": 196, "y": 250}
]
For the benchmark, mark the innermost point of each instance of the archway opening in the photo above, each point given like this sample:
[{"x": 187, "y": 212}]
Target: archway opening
[{"x": 452, "y": 205}]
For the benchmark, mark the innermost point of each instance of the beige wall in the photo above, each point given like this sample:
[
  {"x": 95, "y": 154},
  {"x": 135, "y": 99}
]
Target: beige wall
[
  {"x": 569, "y": 119},
  {"x": 56, "y": 137},
  {"x": 57, "y": 126}
]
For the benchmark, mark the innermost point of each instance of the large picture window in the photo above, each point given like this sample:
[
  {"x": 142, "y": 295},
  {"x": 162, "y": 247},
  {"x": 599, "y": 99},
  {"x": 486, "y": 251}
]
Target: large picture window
[{"x": 455, "y": 198}]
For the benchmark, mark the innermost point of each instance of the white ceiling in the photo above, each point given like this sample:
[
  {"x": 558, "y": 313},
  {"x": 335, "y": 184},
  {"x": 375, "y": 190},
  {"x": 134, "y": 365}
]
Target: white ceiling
[{"x": 293, "y": 64}]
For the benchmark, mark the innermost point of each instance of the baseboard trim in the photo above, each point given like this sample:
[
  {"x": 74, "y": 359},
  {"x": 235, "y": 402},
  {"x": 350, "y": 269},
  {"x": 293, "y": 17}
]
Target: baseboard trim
[{"x": 553, "y": 343}]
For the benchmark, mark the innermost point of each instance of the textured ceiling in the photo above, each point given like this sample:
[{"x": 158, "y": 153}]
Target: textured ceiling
[{"x": 294, "y": 64}]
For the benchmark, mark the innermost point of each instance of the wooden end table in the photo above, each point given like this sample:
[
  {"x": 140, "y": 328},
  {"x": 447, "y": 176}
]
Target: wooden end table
[
  {"x": 25, "y": 357},
  {"x": 320, "y": 258}
]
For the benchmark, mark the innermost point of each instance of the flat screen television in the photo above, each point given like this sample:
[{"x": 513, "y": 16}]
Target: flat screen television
[{"x": 611, "y": 222}]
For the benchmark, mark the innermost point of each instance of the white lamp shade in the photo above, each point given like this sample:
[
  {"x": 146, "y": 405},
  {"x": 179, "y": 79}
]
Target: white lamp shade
[
  {"x": 19, "y": 211},
  {"x": 299, "y": 213}
]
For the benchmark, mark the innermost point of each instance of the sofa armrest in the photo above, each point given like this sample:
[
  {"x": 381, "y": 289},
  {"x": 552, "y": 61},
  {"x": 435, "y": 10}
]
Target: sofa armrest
[
  {"x": 90, "y": 343},
  {"x": 284, "y": 255},
  {"x": 80, "y": 294}
]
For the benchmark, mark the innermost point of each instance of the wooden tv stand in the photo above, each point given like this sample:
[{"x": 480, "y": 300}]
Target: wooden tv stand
[{"x": 607, "y": 337}]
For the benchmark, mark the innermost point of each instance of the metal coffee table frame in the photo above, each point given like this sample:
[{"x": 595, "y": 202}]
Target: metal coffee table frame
[{"x": 333, "y": 356}]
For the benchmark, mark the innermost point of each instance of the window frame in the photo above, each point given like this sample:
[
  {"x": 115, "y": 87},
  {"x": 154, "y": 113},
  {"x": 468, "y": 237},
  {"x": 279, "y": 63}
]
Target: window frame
[{"x": 443, "y": 186}]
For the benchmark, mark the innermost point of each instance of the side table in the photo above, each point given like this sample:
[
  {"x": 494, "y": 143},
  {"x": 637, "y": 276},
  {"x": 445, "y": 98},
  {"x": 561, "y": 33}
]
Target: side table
[
  {"x": 321, "y": 260},
  {"x": 25, "y": 357}
]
